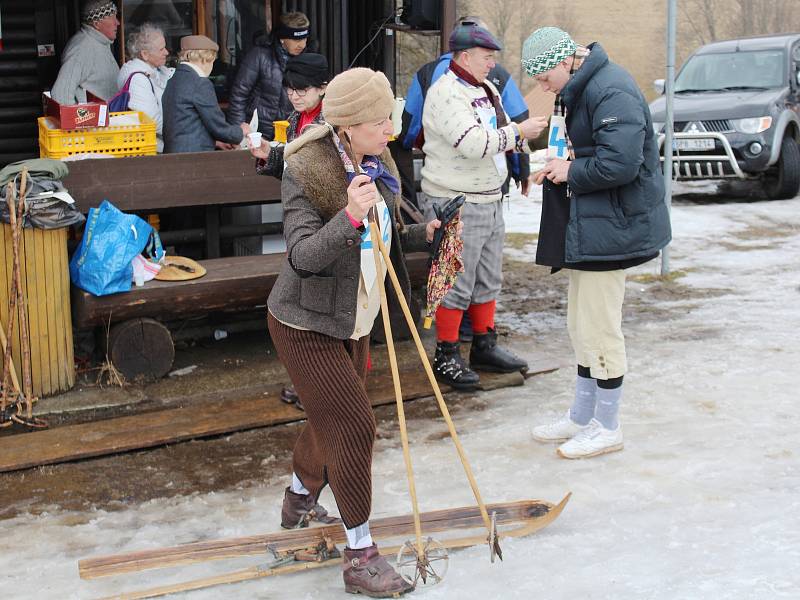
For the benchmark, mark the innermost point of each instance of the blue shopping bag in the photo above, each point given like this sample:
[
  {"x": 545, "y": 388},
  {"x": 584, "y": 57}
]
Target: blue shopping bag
[{"x": 102, "y": 263}]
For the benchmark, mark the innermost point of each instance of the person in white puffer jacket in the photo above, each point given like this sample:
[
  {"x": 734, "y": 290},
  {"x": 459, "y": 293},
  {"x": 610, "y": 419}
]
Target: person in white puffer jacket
[{"x": 148, "y": 51}]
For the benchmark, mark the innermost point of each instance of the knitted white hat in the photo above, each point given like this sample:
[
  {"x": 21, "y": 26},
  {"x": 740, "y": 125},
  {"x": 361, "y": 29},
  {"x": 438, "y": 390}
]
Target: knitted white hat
[{"x": 545, "y": 48}]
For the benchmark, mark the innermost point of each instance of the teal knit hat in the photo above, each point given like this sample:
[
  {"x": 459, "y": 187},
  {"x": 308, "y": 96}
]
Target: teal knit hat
[{"x": 545, "y": 48}]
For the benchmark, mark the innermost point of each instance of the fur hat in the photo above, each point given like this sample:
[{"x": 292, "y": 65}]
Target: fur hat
[
  {"x": 95, "y": 10},
  {"x": 545, "y": 48},
  {"x": 356, "y": 96}
]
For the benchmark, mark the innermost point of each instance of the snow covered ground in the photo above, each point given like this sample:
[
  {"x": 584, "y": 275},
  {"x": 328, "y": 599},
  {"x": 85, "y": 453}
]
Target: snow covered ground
[{"x": 704, "y": 502}]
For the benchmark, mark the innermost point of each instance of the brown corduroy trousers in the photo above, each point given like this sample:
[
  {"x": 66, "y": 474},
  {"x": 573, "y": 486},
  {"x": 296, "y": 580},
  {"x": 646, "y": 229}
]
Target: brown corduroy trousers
[{"x": 335, "y": 446}]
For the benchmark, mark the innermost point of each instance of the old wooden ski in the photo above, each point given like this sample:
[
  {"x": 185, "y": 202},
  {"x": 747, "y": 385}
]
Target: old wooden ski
[{"x": 514, "y": 519}]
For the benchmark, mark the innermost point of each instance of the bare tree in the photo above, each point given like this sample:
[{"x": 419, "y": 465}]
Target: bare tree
[
  {"x": 565, "y": 17},
  {"x": 413, "y": 51},
  {"x": 705, "y": 21},
  {"x": 758, "y": 17},
  {"x": 528, "y": 11},
  {"x": 464, "y": 8},
  {"x": 498, "y": 15}
]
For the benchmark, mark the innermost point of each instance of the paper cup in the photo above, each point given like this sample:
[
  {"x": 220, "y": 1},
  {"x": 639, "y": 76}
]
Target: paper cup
[{"x": 255, "y": 139}]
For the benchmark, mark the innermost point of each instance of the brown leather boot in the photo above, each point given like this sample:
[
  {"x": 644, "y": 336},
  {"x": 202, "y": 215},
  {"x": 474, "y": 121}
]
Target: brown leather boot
[
  {"x": 300, "y": 509},
  {"x": 367, "y": 572}
]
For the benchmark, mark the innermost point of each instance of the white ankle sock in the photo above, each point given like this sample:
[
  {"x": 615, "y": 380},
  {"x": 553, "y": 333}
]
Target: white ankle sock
[
  {"x": 297, "y": 486},
  {"x": 359, "y": 537}
]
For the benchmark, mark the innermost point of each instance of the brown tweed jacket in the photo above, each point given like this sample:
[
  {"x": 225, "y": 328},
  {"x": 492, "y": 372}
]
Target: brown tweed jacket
[{"x": 318, "y": 284}]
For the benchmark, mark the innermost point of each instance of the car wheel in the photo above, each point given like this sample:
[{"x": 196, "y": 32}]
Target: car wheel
[{"x": 783, "y": 179}]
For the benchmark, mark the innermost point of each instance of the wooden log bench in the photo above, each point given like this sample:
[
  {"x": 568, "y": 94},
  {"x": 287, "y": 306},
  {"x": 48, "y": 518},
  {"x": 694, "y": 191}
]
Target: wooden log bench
[{"x": 139, "y": 343}]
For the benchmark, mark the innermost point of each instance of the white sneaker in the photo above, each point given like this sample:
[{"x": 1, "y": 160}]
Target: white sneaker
[
  {"x": 592, "y": 440},
  {"x": 560, "y": 431}
]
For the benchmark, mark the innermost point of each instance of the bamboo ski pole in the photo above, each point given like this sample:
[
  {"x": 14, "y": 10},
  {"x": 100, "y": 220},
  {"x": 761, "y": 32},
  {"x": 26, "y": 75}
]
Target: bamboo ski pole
[
  {"x": 437, "y": 392},
  {"x": 24, "y": 332},
  {"x": 13, "y": 371},
  {"x": 8, "y": 362},
  {"x": 375, "y": 236}
]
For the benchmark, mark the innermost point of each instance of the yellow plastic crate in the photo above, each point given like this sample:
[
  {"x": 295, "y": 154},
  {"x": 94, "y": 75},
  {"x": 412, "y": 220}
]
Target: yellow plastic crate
[{"x": 116, "y": 140}]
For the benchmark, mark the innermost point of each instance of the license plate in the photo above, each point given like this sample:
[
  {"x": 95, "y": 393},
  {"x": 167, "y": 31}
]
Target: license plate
[{"x": 694, "y": 144}]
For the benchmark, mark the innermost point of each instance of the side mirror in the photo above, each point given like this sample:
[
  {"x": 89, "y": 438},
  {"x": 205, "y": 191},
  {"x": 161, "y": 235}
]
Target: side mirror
[
  {"x": 797, "y": 76},
  {"x": 658, "y": 86}
]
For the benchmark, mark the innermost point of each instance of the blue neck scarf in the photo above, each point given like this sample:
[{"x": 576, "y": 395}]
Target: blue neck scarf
[{"x": 370, "y": 165}]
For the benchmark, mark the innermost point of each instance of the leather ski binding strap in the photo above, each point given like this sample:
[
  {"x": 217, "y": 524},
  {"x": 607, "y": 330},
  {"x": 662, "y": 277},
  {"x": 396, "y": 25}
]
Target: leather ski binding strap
[{"x": 323, "y": 551}]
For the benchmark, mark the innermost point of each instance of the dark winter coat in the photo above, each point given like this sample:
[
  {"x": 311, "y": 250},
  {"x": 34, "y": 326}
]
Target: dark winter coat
[
  {"x": 259, "y": 85},
  {"x": 193, "y": 120},
  {"x": 318, "y": 285},
  {"x": 617, "y": 214}
]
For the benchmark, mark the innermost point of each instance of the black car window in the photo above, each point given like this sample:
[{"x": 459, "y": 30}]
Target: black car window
[{"x": 733, "y": 70}]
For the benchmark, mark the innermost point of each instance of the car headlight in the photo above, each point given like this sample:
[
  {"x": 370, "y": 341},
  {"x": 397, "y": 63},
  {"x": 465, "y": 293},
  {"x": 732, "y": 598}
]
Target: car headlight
[
  {"x": 752, "y": 125},
  {"x": 657, "y": 127}
]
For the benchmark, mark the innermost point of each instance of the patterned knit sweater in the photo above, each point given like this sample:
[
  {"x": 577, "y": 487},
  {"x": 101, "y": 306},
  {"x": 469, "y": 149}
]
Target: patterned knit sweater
[
  {"x": 459, "y": 148},
  {"x": 87, "y": 64}
]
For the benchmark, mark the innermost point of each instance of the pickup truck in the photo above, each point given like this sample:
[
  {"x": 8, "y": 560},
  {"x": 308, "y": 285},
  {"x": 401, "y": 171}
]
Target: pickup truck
[{"x": 737, "y": 113}]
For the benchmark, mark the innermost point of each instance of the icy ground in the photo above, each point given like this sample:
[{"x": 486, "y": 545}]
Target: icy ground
[{"x": 702, "y": 503}]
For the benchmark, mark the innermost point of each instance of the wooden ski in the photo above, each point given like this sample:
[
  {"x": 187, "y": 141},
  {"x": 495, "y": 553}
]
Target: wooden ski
[{"x": 514, "y": 519}]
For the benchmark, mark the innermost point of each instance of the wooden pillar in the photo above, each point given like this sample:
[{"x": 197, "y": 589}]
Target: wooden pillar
[
  {"x": 269, "y": 8},
  {"x": 275, "y": 11},
  {"x": 200, "y": 10},
  {"x": 448, "y": 20}
]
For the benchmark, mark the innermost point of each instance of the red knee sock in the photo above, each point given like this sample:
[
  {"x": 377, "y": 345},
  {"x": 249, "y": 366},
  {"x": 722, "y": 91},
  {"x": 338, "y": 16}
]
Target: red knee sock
[
  {"x": 448, "y": 320},
  {"x": 482, "y": 317}
]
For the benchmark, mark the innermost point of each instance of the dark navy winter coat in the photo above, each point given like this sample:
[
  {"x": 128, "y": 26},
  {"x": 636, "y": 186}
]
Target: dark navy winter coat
[
  {"x": 259, "y": 85},
  {"x": 617, "y": 210}
]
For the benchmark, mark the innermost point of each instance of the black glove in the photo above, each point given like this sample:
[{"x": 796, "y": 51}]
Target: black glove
[{"x": 445, "y": 214}]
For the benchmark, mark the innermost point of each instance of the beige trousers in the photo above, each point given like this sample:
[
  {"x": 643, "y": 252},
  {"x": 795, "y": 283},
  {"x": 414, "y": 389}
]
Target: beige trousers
[{"x": 594, "y": 320}]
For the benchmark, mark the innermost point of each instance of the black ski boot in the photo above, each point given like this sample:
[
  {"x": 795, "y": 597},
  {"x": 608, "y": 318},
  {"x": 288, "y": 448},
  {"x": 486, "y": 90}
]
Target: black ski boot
[
  {"x": 485, "y": 355},
  {"x": 450, "y": 368}
]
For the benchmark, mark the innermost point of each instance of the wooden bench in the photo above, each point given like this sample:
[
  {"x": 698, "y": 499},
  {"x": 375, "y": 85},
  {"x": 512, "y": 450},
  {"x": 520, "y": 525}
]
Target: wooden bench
[{"x": 139, "y": 343}]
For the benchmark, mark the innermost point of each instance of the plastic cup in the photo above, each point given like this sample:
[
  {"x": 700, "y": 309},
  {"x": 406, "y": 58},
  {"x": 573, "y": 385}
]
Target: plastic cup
[{"x": 255, "y": 139}]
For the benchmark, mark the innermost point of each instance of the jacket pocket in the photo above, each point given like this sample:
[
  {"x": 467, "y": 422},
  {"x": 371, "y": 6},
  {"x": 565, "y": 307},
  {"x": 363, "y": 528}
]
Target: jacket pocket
[
  {"x": 318, "y": 294},
  {"x": 616, "y": 204}
]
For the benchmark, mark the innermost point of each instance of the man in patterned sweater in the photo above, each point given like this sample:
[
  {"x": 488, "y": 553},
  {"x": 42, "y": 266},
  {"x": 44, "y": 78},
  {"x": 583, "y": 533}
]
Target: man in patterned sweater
[{"x": 467, "y": 136}]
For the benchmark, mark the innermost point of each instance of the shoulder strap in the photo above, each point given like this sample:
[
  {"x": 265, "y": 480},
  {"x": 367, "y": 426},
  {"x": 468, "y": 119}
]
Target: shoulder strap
[{"x": 127, "y": 85}]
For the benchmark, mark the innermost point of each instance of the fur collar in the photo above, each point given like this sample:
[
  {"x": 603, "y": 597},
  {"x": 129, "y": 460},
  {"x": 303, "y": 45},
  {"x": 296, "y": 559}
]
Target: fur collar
[{"x": 318, "y": 169}]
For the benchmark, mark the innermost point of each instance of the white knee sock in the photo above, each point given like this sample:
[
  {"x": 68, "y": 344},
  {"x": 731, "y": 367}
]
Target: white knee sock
[
  {"x": 297, "y": 486},
  {"x": 359, "y": 537}
]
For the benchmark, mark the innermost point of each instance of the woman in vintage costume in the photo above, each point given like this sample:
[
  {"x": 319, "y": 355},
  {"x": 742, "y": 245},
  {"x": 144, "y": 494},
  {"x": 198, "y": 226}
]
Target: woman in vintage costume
[{"x": 324, "y": 303}]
